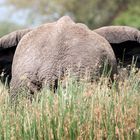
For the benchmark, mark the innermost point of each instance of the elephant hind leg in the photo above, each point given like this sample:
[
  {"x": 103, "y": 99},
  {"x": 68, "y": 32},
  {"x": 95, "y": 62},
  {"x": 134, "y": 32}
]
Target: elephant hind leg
[{"x": 26, "y": 88}]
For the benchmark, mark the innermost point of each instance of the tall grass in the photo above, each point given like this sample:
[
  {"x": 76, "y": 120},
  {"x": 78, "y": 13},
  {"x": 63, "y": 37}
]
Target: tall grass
[{"x": 80, "y": 111}]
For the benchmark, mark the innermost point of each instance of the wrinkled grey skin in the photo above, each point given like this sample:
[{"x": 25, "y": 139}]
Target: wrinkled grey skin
[
  {"x": 45, "y": 54},
  {"x": 125, "y": 42},
  {"x": 8, "y": 44}
]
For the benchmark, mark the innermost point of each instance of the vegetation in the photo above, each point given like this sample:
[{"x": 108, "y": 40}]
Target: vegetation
[
  {"x": 93, "y": 13},
  {"x": 7, "y": 27},
  {"x": 129, "y": 17},
  {"x": 80, "y": 111}
]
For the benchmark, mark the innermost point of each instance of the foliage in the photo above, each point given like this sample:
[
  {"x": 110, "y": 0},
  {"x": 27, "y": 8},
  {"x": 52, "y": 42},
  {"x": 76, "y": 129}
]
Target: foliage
[
  {"x": 7, "y": 27},
  {"x": 130, "y": 17},
  {"x": 80, "y": 111},
  {"x": 94, "y": 13}
]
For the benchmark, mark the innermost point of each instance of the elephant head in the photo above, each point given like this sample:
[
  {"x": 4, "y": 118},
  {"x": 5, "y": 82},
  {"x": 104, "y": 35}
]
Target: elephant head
[
  {"x": 125, "y": 42},
  {"x": 8, "y": 44},
  {"x": 48, "y": 52}
]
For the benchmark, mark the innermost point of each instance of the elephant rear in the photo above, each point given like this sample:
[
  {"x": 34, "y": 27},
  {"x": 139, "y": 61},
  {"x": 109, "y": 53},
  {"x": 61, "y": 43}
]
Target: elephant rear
[{"x": 47, "y": 53}]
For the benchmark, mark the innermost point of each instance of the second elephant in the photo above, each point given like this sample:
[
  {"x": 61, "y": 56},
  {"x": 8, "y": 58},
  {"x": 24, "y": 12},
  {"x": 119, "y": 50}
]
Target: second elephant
[
  {"x": 125, "y": 42},
  {"x": 8, "y": 45}
]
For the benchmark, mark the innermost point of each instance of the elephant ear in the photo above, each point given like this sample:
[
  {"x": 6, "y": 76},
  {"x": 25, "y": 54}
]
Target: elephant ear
[
  {"x": 8, "y": 44},
  {"x": 125, "y": 42}
]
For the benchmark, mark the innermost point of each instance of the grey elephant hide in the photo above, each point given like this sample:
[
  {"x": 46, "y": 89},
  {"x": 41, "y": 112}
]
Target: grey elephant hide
[{"x": 47, "y": 53}]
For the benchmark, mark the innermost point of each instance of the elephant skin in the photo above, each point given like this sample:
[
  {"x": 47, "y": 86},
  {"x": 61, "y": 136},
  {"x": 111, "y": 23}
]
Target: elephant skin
[
  {"x": 8, "y": 44},
  {"x": 47, "y": 53},
  {"x": 125, "y": 42}
]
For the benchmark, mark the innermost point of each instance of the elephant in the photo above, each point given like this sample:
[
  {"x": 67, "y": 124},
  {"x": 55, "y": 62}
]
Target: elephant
[
  {"x": 51, "y": 51},
  {"x": 8, "y": 44},
  {"x": 125, "y": 42}
]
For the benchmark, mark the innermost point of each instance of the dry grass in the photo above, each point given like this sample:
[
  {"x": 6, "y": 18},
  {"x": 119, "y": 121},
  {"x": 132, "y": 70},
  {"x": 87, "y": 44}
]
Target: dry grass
[{"x": 81, "y": 111}]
